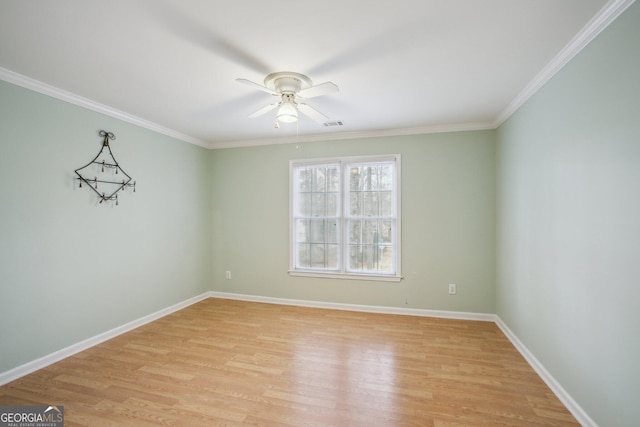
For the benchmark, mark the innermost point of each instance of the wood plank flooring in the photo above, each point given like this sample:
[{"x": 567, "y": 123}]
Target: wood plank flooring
[{"x": 233, "y": 363}]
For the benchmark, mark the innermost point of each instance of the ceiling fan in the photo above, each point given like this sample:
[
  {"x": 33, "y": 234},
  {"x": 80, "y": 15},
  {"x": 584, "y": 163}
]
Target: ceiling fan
[{"x": 291, "y": 88}]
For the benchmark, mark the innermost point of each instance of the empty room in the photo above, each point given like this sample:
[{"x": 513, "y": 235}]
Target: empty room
[{"x": 418, "y": 213}]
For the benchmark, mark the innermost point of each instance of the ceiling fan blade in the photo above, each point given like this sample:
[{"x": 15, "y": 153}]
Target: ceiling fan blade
[
  {"x": 312, "y": 113},
  {"x": 325, "y": 88},
  {"x": 256, "y": 86},
  {"x": 263, "y": 110},
  {"x": 397, "y": 38},
  {"x": 194, "y": 31}
]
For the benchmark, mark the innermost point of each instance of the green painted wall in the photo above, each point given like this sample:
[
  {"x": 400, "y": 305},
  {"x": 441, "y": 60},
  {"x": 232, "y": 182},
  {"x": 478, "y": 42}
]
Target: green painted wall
[
  {"x": 70, "y": 269},
  {"x": 568, "y": 220},
  {"x": 448, "y": 222}
]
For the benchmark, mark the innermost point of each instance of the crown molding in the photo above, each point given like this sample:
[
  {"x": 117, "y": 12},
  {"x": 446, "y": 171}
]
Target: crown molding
[
  {"x": 46, "y": 89},
  {"x": 63, "y": 95},
  {"x": 603, "y": 18},
  {"x": 341, "y": 136}
]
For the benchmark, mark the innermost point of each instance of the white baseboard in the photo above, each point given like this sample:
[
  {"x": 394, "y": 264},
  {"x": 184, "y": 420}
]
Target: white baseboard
[
  {"x": 460, "y": 315},
  {"x": 34, "y": 365},
  {"x": 581, "y": 416},
  {"x": 573, "y": 407},
  {"x": 576, "y": 410}
]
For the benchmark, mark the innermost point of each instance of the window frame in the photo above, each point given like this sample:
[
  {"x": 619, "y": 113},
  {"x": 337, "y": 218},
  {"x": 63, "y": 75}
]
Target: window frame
[{"x": 343, "y": 217}]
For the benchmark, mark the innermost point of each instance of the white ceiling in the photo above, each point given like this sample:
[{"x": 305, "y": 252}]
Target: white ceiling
[{"x": 407, "y": 66}]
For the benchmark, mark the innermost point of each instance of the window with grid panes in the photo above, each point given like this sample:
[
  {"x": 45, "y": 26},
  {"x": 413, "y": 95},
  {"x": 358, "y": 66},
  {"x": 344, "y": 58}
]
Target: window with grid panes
[{"x": 345, "y": 217}]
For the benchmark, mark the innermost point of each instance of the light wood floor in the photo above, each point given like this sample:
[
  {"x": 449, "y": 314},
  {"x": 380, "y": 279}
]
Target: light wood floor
[{"x": 224, "y": 362}]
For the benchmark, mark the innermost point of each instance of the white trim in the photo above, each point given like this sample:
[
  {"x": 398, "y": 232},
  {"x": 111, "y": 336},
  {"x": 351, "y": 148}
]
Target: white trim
[
  {"x": 56, "y": 356},
  {"x": 576, "y": 410},
  {"x": 458, "y": 315},
  {"x": 342, "y": 216},
  {"x": 346, "y": 276},
  {"x": 341, "y": 136},
  {"x": 599, "y": 22},
  {"x": 63, "y": 95},
  {"x": 46, "y": 89},
  {"x": 595, "y": 26}
]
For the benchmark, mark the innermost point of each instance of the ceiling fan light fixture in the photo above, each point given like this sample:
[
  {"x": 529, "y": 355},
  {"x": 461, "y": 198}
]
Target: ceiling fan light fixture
[
  {"x": 287, "y": 113},
  {"x": 291, "y": 88}
]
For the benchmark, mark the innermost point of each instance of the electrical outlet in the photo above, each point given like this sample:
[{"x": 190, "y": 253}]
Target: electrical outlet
[
  {"x": 227, "y": 275},
  {"x": 452, "y": 289}
]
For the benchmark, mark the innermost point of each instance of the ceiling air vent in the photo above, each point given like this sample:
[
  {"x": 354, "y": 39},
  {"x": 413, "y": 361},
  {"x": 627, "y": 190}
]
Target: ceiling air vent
[{"x": 329, "y": 124}]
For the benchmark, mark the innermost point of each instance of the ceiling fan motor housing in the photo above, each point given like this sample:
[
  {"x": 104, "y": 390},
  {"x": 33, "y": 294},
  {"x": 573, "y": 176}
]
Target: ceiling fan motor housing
[{"x": 287, "y": 82}]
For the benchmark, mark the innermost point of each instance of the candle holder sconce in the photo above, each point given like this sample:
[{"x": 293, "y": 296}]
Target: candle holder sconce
[{"x": 105, "y": 162}]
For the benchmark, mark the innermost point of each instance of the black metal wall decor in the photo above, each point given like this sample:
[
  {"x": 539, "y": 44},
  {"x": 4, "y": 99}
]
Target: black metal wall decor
[{"x": 105, "y": 161}]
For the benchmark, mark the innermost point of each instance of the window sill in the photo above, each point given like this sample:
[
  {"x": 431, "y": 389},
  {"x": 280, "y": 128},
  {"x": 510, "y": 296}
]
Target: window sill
[{"x": 347, "y": 276}]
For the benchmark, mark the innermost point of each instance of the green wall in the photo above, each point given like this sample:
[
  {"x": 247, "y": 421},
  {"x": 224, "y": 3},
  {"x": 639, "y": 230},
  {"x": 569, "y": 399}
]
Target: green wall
[
  {"x": 71, "y": 269},
  {"x": 568, "y": 220},
  {"x": 448, "y": 222}
]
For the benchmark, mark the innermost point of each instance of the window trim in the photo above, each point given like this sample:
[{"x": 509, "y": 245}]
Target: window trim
[{"x": 343, "y": 273}]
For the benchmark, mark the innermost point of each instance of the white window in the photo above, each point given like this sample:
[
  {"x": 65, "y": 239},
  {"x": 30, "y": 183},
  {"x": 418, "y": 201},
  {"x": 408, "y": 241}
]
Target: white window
[{"x": 345, "y": 217}]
